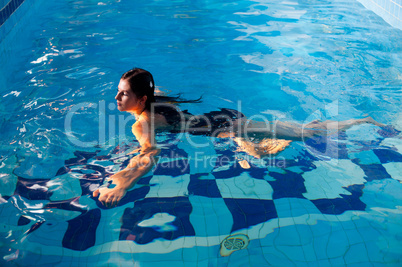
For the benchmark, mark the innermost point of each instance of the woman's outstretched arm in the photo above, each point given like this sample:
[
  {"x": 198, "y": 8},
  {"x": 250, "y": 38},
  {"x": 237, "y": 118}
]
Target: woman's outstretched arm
[
  {"x": 127, "y": 178},
  {"x": 138, "y": 167}
]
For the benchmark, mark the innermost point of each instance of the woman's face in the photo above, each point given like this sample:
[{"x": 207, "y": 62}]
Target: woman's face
[{"x": 127, "y": 100}]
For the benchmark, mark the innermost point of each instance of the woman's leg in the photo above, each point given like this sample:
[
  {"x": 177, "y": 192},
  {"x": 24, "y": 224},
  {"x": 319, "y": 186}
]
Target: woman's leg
[
  {"x": 325, "y": 127},
  {"x": 259, "y": 139}
]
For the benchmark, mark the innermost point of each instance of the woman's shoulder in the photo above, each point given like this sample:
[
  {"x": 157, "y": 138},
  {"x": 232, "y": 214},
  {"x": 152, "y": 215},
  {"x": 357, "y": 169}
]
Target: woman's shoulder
[
  {"x": 136, "y": 127},
  {"x": 154, "y": 121}
]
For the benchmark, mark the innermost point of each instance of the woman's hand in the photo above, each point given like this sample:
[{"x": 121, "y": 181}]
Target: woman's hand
[{"x": 110, "y": 197}]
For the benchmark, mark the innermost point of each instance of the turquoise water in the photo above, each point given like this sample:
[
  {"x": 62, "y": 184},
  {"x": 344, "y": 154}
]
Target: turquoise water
[{"x": 317, "y": 203}]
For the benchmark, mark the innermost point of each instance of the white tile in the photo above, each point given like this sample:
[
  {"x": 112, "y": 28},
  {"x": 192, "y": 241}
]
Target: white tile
[
  {"x": 210, "y": 216},
  {"x": 64, "y": 187},
  {"x": 168, "y": 186},
  {"x": 394, "y": 169},
  {"x": 244, "y": 186},
  {"x": 330, "y": 178},
  {"x": 393, "y": 143},
  {"x": 363, "y": 132},
  {"x": 365, "y": 157},
  {"x": 392, "y": 8}
]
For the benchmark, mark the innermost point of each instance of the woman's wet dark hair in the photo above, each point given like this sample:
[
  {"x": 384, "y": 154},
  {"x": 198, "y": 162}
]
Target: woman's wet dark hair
[{"x": 142, "y": 83}]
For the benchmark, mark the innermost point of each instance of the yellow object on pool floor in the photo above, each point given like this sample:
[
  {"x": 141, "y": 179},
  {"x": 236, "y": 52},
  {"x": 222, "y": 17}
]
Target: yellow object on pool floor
[{"x": 233, "y": 243}]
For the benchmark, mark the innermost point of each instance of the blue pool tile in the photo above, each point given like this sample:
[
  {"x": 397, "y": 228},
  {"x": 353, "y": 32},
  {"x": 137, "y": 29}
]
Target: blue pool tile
[
  {"x": 310, "y": 254},
  {"x": 337, "y": 242},
  {"x": 174, "y": 168},
  {"x": 245, "y": 187},
  {"x": 196, "y": 254},
  {"x": 340, "y": 205},
  {"x": 109, "y": 225},
  {"x": 168, "y": 186},
  {"x": 179, "y": 207},
  {"x": 305, "y": 263},
  {"x": 357, "y": 254},
  {"x": 387, "y": 155},
  {"x": 392, "y": 8},
  {"x": 269, "y": 240},
  {"x": 23, "y": 221},
  {"x": 373, "y": 171},
  {"x": 365, "y": 263},
  {"x": 72, "y": 205},
  {"x": 394, "y": 169},
  {"x": 258, "y": 260},
  {"x": 362, "y": 145},
  {"x": 295, "y": 253},
  {"x": 375, "y": 254},
  {"x": 306, "y": 236},
  {"x": 369, "y": 232},
  {"x": 289, "y": 185},
  {"x": 176, "y": 255},
  {"x": 10, "y": 214},
  {"x": 325, "y": 146},
  {"x": 388, "y": 131},
  {"x": 50, "y": 233},
  {"x": 288, "y": 236},
  {"x": 64, "y": 187},
  {"x": 249, "y": 212},
  {"x": 81, "y": 231},
  {"x": 256, "y": 173},
  {"x": 30, "y": 258},
  {"x": 320, "y": 244},
  {"x": 33, "y": 189},
  {"x": 276, "y": 258},
  {"x": 81, "y": 157},
  {"x": 323, "y": 263},
  {"x": 34, "y": 227},
  {"x": 203, "y": 187},
  {"x": 354, "y": 236},
  {"x": 383, "y": 193},
  {"x": 239, "y": 258},
  {"x": 210, "y": 216},
  {"x": 222, "y": 261},
  {"x": 320, "y": 241},
  {"x": 365, "y": 157},
  {"x": 293, "y": 207},
  {"x": 233, "y": 170},
  {"x": 2, "y": 17},
  {"x": 339, "y": 261}
]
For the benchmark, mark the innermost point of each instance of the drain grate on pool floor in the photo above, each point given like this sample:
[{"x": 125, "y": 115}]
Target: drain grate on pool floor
[{"x": 233, "y": 243}]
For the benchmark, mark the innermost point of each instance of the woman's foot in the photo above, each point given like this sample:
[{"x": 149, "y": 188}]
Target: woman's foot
[
  {"x": 372, "y": 121},
  {"x": 265, "y": 147}
]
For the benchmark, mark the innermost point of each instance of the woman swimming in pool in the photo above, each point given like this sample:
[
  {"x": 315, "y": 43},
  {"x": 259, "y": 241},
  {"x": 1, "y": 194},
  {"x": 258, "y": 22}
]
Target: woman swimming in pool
[{"x": 154, "y": 113}]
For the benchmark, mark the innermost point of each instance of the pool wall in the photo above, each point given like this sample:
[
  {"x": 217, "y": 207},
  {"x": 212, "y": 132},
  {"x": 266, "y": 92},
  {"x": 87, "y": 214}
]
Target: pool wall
[
  {"x": 13, "y": 15},
  {"x": 14, "y": 11},
  {"x": 389, "y": 10},
  {"x": 10, "y": 14}
]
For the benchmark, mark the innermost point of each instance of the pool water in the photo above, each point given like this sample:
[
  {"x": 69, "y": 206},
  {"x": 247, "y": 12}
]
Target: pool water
[{"x": 333, "y": 201}]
